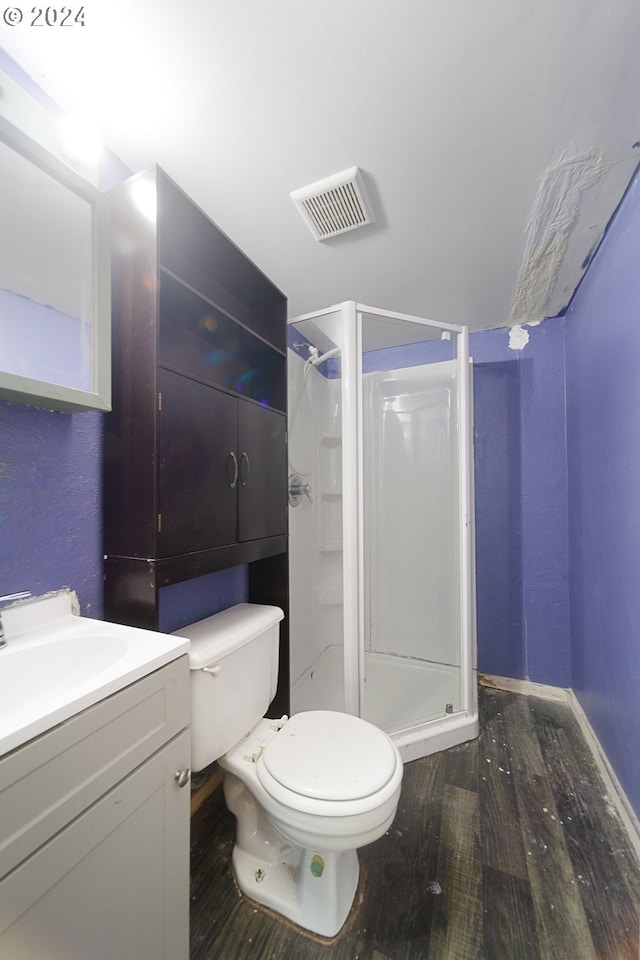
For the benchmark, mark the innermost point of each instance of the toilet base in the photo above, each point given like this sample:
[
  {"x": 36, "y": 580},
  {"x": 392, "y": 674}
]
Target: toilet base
[
  {"x": 313, "y": 888},
  {"x": 293, "y": 888}
]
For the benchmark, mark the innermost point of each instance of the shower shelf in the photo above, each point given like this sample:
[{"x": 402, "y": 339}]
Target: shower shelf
[
  {"x": 330, "y": 597},
  {"x": 331, "y": 463},
  {"x": 330, "y": 547}
]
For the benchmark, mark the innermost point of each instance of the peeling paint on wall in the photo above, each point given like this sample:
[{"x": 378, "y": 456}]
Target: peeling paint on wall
[
  {"x": 553, "y": 216},
  {"x": 518, "y": 337}
]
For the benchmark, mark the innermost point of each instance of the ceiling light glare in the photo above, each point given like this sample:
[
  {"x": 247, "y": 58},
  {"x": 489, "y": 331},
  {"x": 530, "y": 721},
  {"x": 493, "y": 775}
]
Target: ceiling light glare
[
  {"x": 80, "y": 140},
  {"x": 145, "y": 197}
]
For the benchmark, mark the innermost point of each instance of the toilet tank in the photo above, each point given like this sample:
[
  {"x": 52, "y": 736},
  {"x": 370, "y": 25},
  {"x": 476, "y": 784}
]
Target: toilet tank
[{"x": 234, "y": 674}]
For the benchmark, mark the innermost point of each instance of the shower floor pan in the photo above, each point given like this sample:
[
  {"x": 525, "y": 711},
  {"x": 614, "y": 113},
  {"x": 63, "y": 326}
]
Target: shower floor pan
[{"x": 399, "y": 692}]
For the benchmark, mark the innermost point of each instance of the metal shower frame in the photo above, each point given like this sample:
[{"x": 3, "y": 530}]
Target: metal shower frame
[{"x": 447, "y": 731}]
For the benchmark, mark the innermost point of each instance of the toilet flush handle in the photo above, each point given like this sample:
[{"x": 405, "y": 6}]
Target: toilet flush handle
[{"x": 214, "y": 671}]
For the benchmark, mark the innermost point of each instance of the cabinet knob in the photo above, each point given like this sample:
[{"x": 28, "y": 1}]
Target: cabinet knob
[{"x": 182, "y": 777}]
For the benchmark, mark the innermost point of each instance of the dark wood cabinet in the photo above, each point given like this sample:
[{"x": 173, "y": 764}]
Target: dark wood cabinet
[
  {"x": 197, "y": 431},
  {"x": 262, "y": 473},
  {"x": 222, "y": 468},
  {"x": 195, "y": 475}
]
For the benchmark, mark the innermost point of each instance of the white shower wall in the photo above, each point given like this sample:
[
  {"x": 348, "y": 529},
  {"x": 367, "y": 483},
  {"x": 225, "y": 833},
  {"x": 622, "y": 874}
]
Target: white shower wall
[{"x": 315, "y": 528}]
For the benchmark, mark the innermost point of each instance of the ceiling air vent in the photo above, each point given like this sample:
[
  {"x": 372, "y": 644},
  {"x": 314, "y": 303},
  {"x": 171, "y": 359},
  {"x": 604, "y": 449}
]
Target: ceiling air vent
[{"x": 335, "y": 205}]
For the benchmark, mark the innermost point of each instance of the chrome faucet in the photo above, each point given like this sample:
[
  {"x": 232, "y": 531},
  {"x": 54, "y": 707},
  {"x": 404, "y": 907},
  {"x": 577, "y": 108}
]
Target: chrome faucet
[
  {"x": 10, "y": 598},
  {"x": 298, "y": 489}
]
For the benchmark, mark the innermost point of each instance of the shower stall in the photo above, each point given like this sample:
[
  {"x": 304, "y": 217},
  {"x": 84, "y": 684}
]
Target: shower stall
[{"x": 382, "y": 614}]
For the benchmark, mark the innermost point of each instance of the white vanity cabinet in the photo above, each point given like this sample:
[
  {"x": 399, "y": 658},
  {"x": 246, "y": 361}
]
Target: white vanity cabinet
[{"x": 94, "y": 830}]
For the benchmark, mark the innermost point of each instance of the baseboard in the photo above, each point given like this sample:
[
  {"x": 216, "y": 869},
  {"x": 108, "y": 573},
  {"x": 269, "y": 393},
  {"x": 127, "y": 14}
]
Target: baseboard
[
  {"x": 623, "y": 806},
  {"x": 560, "y": 694},
  {"x": 527, "y": 687}
]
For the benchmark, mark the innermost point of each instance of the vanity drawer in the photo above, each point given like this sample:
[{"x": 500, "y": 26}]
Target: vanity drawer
[{"x": 49, "y": 781}]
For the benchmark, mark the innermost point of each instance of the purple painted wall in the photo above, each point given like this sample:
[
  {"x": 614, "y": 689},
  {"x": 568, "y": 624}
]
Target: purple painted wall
[
  {"x": 50, "y": 503},
  {"x": 193, "y": 600},
  {"x": 521, "y": 505},
  {"x": 603, "y": 418}
]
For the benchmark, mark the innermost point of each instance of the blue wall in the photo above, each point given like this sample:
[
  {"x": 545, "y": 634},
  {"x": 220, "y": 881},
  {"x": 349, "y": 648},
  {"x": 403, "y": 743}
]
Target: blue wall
[
  {"x": 50, "y": 503},
  {"x": 521, "y": 505},
  {"x": 603, "y": 429}
]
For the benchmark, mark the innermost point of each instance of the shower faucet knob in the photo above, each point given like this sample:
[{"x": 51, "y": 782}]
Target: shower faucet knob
[{"x": 298, "y": 489}]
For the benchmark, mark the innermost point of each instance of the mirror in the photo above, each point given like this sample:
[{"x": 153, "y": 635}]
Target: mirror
[{"x": 55, "y": 313}]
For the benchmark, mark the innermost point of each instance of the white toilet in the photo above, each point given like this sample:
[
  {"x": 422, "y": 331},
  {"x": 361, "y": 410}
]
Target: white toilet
[{"x": 306, "y": 791}]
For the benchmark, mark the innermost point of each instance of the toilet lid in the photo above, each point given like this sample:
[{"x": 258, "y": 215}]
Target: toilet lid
[{"x": 330, "y": 756}]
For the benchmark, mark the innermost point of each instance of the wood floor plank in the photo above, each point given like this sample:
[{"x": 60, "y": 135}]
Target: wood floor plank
[
  {"x": 563, "y": 928},
  {"x": 457, "y": 917},
  {"x": 501, "y": 835},
  {"x": 509, "y": 927},
  {"x": 401, "y": 868},
  {"x": 604, "y": 867},
  {"x": 461, "y": 767},
  {"x": 524, "y": 748}
]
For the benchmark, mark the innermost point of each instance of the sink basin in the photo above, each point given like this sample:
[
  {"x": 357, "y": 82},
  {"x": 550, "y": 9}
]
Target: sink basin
[
  {"x": 56, "y": 664},
  {"x": 50, "y": 668}
]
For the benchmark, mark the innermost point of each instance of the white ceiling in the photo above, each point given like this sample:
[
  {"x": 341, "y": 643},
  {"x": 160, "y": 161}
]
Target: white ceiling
[{"x": 496, "y": 137}]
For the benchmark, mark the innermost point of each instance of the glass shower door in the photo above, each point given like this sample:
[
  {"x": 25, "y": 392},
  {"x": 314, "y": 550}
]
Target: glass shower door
[
  {"x": 416, "y": 638},
  {"x": 412, "y": 557}
]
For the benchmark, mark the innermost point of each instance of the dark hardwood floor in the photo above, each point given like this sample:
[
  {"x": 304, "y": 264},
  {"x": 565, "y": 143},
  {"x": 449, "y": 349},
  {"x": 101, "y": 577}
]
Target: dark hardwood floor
[{"x": 507, "y": 848}]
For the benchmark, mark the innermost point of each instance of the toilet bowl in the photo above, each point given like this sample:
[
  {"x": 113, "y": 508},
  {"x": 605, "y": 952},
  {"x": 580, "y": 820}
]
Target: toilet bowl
[
  {"x": 306, "y": 791},
  {"x": 296, "y": 840}
]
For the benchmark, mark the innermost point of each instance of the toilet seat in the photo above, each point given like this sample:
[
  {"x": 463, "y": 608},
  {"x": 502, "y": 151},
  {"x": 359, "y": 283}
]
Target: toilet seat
[{"x": 322, "y": 761}]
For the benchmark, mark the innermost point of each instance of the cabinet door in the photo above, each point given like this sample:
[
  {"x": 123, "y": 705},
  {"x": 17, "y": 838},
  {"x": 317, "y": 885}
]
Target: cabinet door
[
  {"x": 197, "y": 495},
  {"x": 114, "y": 884},
  {"x": 262, "y": 457}
]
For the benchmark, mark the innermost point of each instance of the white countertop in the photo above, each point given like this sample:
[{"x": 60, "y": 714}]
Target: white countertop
[{"x": 56, "y": 664}]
